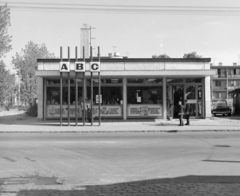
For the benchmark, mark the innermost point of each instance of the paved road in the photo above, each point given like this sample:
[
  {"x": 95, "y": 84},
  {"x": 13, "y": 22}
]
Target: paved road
[{"x": 65, "y": 162}]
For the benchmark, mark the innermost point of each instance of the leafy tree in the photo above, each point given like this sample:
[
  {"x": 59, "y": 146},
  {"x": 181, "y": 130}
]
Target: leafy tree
[
  {"x": 162, "y": 56},
  {"x": 25, "y": 64},
  {"x": 5, "y": 39},
  {"x": 191, "y": 55},
  {"x": 7, "y": 85}
]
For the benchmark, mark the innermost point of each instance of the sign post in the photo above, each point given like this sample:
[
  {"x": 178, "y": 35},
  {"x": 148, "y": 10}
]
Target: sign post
[{"x": 80, "y": 66}]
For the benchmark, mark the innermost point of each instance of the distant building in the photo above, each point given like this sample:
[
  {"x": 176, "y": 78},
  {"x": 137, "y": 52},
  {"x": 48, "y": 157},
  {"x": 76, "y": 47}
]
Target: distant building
[{"x": 227, "y": 79}]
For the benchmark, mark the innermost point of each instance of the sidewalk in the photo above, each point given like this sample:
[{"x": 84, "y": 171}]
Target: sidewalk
[{"x": 17, "y": 122}]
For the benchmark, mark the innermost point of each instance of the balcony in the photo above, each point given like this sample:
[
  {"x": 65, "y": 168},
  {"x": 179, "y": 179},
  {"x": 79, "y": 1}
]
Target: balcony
[
  {"x": 219, "y": 88},
  {"x": 222, "y": 76},
  {"x": 233, "y": 76}
]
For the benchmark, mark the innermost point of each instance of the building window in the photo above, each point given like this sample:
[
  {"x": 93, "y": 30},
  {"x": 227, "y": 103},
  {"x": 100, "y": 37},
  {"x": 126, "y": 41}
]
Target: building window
[
  {"x": 174, "y": 80},
  {"x": 113, "y": 81},
  {"x": 190, "y": 92},
  {"x": 217, "y": 83},
  {"x": 111, "y": 95},
  {"x": 133, "y": 81},
  {"x": 144, "y": 95},
  {"x": 223, "y": 95},
  {"x": 234, "y": 71},
  {"x": 193, "y": 80}
]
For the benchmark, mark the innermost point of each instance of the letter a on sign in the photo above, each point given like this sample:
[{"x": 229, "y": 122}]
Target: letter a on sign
[
  {"x": 95, "y": 66},
  {"x": 80, "y": 66},
  {"x": 64, "y": 67}
]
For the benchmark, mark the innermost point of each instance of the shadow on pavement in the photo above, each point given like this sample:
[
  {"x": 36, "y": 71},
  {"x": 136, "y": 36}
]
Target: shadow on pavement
[
  {"x": 23, "y": 119},
  {"x": 186, "y": 185}
]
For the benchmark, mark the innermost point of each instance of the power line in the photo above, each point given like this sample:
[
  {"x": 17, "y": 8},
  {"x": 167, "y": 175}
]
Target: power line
[{"x": 123, "y": 9}]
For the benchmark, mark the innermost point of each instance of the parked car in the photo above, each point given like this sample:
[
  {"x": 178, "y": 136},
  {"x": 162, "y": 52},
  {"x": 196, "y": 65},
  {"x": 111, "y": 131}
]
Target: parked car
[{"x": 221, "y": 107}]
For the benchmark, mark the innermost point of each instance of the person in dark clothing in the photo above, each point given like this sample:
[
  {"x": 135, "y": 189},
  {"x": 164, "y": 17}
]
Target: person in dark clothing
[
  {"x": 180, "y": 113},
  {"x": 187, "y": 112}
]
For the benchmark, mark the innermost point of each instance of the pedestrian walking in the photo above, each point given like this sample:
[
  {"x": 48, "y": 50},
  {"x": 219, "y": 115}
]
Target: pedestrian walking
[
  {"x": 187, "y": 112},
  {"x": 88, "y": 108},
  {"x": 180, "y": 113}
]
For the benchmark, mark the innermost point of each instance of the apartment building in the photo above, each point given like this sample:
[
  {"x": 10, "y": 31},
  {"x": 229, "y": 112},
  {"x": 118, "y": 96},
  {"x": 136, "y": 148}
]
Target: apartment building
[{"x": 226, "y": 79}]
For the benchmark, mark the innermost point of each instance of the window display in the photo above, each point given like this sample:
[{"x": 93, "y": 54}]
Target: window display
[
  {"x": 111, "y": 95},
  {"x": 144, "y": 95}
]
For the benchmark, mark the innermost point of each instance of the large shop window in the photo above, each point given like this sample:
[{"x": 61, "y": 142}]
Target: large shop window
[
  {"x": 144, "y": 95},
  {"x": 53, "y": 95},
  {"x": 111, "y": 98},
  {"x": 111, "y": 95},
  {"x": 144, "y": 101}
]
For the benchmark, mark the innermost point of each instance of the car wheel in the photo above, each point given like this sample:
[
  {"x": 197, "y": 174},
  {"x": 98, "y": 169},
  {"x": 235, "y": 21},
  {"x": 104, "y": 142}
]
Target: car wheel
[
  {"x": 214, "y": 115},
  {"x": 229, "y": 114}
]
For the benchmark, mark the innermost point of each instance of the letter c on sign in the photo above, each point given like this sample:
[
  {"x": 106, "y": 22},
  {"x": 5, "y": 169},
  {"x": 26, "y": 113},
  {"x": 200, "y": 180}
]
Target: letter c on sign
[{"x": 95, "y": 66}]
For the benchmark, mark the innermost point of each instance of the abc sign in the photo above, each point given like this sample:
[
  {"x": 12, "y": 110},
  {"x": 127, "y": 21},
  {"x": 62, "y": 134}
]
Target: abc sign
[{"x": 95, "y": 66}]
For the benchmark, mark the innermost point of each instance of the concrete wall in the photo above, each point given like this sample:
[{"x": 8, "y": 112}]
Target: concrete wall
[
  {"x": 208, "y": 103},
  {"x": 112, "y": 66},
  {"x": 40, "y": 97}
]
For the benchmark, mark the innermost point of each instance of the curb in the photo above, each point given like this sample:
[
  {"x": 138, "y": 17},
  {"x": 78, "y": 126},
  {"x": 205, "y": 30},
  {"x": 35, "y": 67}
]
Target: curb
[{"x": 127, "y": 131}]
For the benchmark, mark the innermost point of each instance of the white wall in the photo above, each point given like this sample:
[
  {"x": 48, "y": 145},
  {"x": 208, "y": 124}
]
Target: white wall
[
  {"x": 111, "y": 66},
  {"x": 208, "y": 113},
  {"x": 40, "y": 97}
]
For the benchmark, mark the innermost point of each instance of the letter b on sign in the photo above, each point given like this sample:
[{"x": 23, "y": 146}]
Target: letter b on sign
[
  {"x": 95, "y": 66},
  {"x": 80, "y": 66}
]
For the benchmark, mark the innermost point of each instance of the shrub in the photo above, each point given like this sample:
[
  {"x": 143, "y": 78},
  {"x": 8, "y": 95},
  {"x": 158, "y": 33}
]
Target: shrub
[{"x": 32, "y": 110}]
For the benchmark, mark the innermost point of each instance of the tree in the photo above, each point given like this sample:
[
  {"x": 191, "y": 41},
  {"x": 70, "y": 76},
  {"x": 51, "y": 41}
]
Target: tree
[
  {"x": 162, "y": 56},
  {"x": 25, "y": 64},
  {"x": 191, "y": 55},
  {"x": 7, "y": 85},
  {"x": 5, "y": 39}
]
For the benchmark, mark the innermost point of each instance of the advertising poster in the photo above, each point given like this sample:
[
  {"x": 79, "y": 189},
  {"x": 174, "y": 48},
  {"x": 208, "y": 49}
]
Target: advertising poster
[
  {"x": 145, "y": 110},
  {"x": 53, "y": 111},
  {"x": 108, "y": 111}
]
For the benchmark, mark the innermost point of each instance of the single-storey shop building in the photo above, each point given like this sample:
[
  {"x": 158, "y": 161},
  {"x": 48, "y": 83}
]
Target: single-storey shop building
[{"x": 130, "y": 88}]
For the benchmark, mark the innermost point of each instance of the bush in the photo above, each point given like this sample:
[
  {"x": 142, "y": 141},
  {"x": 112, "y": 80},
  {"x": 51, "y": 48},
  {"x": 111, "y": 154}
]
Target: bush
[
  {"x": 21, "y": 107},
  {"x": 3, "y": 108},
  {"x": 32, "y": 110}
]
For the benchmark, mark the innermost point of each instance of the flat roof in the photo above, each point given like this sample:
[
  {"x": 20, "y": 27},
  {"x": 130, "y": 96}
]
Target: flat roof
[
  {"x": 104, "y": 59},
  {"x": 225, "y": 66}
]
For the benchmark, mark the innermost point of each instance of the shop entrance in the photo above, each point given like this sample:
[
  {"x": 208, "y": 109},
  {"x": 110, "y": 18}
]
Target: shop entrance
[{"x": 191, "y": 92}]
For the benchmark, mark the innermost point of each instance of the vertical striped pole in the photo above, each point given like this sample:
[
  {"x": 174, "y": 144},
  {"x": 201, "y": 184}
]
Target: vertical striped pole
[
  {"x": 61, "y": 89},
  {"x": 99, "y": 91},
  {"x": 76, "y": 90},
  {"x": 69, "y": 88},
  {"x": 84, "y": 90},
  {"x": 91, "y": 87}
]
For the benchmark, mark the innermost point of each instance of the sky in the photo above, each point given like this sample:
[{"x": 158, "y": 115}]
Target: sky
[{"x": 209, "y": 27}]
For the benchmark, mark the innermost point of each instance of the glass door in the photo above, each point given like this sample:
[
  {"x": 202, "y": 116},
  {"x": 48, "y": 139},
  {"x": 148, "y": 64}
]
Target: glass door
[
  {"x": 177, "y": 92},
  {"x": 190, "y": 95},
  {"x": 193, "y": 94}
]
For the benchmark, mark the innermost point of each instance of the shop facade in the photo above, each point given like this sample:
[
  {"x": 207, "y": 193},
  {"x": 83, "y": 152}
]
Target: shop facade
[{"x": 130, "y": 88}]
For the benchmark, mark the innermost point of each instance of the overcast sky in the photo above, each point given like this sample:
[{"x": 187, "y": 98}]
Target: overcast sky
[{"x": 212, "y": 34}]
